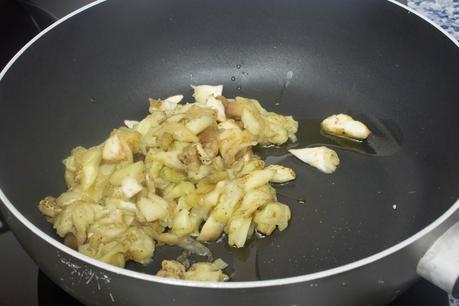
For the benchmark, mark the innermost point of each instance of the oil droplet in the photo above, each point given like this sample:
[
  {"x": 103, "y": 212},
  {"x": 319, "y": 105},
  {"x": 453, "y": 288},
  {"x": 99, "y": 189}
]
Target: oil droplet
[
  {"x": 238, "y": 66},
  {"x": 394, "y": 207},
  {"x": 233, "y": 78},
  {"x": 239, "y": 87},
  {"x": 301, "y": 201}
]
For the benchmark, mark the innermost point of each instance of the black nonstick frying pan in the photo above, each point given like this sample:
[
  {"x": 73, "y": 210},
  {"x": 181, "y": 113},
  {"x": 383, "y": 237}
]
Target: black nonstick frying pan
[{"x": 357, "y": 237}]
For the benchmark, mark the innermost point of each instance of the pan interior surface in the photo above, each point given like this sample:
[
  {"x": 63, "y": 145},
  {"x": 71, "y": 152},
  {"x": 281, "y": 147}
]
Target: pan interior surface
[{"x": 308, "y": 59}]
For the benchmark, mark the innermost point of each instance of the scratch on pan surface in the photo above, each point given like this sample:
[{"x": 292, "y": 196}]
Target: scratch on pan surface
[
  {"x": 90, "y": 278},
  {"x": 86, "y": 274},
  {"x": 74, "y": 267}
]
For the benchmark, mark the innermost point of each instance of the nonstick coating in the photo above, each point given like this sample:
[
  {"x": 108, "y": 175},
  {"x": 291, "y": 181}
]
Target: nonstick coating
[{"x": 308, "y": 59}]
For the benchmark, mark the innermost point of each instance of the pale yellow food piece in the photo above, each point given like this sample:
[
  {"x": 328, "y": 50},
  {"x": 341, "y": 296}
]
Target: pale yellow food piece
[
  {"x": 238, "y": 231},
  {"x": 179, "y": 132},
  {"x": 134, "y": 170},
  {"x": 113, "y": 149},
  {"x": 171, "y": 269},
  {"x": 228, "y": 200},
  {"x": 202, "y": 92},
  {"x": 257, "y": 178},
  {"x": 198, "y": 125},
  {"x": 253, "y": 200},
  {"x": 170, "y": 159},
  {"x": 211, "y": 230},
  {"x": 322, "y": 158},
  {"x": 130, "y": 186},
  {"x": 345, "y": 125},
  {"x": 272, "y": 215},
  {"x": 268, "y": 127},
  {"x": 184, "y": 223},
  {"x": 204, "y": 271},
  {"x": 179, "y": 190},
  {"x": 282, "y": 174},
  {"x": 171, "y": 102},
  {"x": 217, "y": 105},
  {"x": 90, "y": 166},
  {"x": 69, "y": 197},
  {"x": 200, "y": 271},
  {"x": 153, "y": 207}
]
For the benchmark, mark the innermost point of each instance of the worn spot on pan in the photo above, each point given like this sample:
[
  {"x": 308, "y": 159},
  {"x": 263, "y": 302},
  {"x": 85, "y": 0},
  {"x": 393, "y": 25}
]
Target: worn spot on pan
[{"x": 80, "y": 275}]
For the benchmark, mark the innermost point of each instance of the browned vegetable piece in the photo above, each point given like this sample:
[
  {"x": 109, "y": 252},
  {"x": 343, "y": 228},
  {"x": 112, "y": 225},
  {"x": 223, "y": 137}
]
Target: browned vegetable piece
[
  {"x": 233, "y": 109},
  {"x": 49, "y": 207},
  {"x": 190, "y": 158},
  {"x": 171, "y": 269},
  {"x": 71, "y": 241},
  {"x": 211, "y": 148},
  {"x": 155, "y": 104},
  {"x": 209, "y": 135},
  {"x": 166, "y": 140}
]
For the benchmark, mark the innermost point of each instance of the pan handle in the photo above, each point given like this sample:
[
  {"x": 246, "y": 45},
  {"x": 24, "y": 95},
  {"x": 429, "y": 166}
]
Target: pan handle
[{"x": 440, "y": 264}]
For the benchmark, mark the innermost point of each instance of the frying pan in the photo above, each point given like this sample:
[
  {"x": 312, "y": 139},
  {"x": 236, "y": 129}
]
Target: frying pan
[{"x": 357, "y": 237}]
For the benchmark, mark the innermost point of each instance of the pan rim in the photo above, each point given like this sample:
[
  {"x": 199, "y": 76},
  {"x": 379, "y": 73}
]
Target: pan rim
[{"x": 219, "y": 285}]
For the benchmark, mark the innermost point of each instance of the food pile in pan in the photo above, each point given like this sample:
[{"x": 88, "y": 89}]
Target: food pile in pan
[{"x": 183, "y": 175}]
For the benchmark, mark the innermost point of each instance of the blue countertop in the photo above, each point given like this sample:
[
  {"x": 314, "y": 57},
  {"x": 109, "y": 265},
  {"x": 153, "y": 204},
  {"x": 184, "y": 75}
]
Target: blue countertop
[{"x": 445, "y": 13}]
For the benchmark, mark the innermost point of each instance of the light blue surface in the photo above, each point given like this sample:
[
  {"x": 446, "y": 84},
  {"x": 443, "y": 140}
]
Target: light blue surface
[{"x": 443, "y": 12}]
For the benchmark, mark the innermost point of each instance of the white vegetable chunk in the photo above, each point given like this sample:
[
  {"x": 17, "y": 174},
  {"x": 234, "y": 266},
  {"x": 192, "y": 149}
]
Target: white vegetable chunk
[
  {"x": 171, "y": 102},
  {"x": 228, "y": 124},
  {"x": 91, "y": 162},
  {"x": 202, "y": 92},
  {"x": 257, "y": 178},
  {"x": 130, "y": 187},
  {"x": 282, "y": 174},
  {"x": 238, "y": 231},
  {"x": 197, "y": 125},
  {"x": 322, "y": 158},
  {"x": 211, "y": 230},
  {"x": 130, "y": 123},
  {"x": 153, "y": 208},
  {"x": 113, "y": 149},
  {"x": 345, "y": 125},
  {"x": 217, "y": 105}
]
